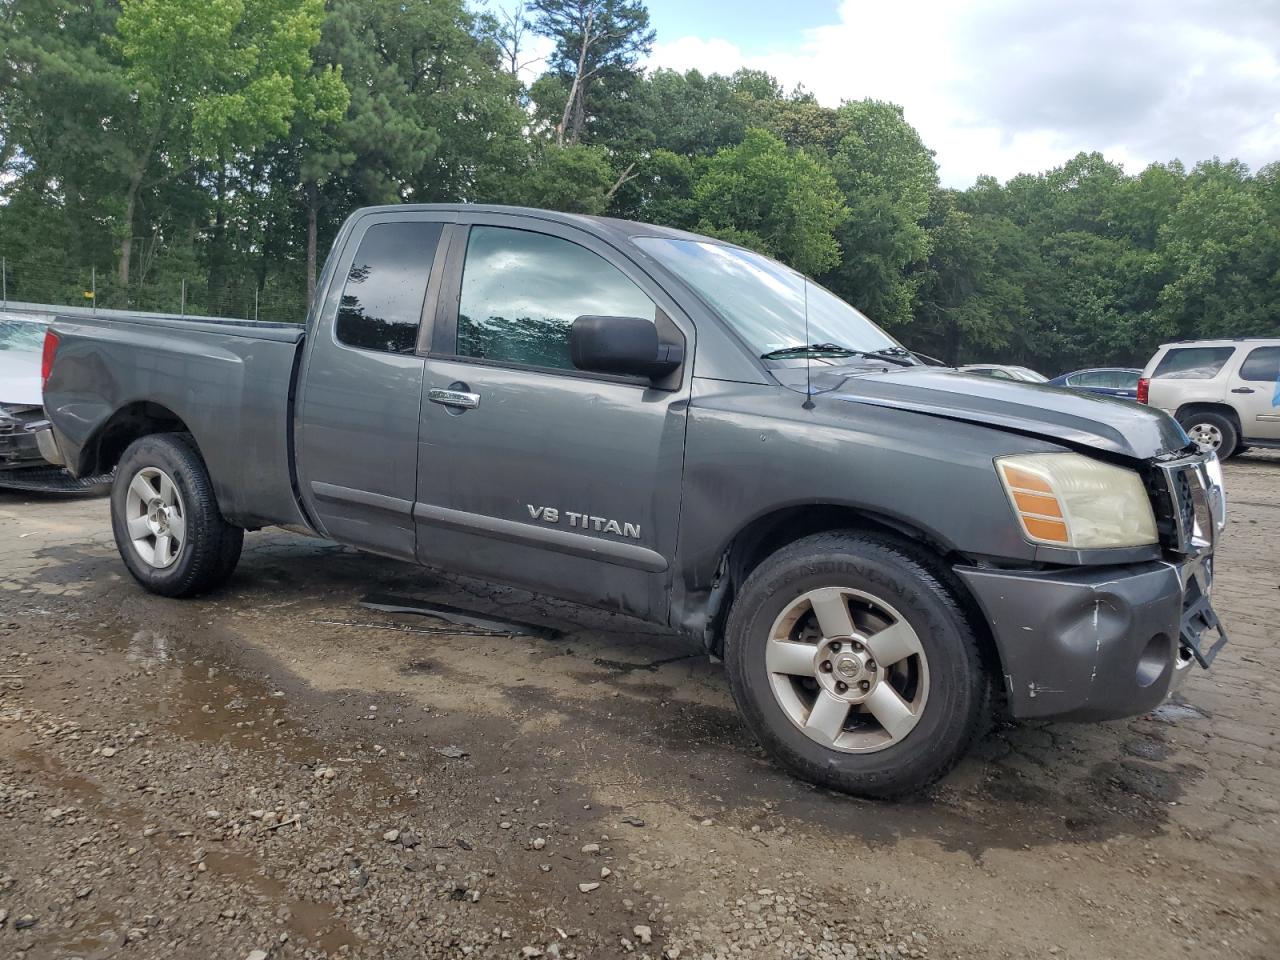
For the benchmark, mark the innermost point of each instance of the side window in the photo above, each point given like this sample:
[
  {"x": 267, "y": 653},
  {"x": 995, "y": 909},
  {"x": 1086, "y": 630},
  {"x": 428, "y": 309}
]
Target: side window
[
  {"x": 1193, "y": 363},
  {"x": 521, "y": 291},
  {"x": 381, "y": 302},
  {"x": 998, "y": 374},
  {"x": 1095, "y": 378},
  {"x": 1263, "y": 363},
  {"x": 1125, "y": 380}
]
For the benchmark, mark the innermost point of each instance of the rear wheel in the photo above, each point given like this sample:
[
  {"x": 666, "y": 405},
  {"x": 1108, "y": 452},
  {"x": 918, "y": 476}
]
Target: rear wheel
[
  {"x": 855, "y": 665},
  {"x": 166, "y": 521},
  {"x": 1212, "y": 432}
]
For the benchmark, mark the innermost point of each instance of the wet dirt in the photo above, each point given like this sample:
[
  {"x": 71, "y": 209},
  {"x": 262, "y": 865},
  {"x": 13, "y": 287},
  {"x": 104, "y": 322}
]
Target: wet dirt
[{"x": 264, "y": 744}]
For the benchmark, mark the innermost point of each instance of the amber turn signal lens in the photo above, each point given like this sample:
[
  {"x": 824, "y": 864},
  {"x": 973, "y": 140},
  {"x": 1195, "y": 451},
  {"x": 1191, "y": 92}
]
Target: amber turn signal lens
[{"x": 1037, "y": 506}]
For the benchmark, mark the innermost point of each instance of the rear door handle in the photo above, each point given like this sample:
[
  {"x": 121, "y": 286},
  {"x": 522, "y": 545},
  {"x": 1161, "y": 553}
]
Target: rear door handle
[
  {"x": 454, "y": 398},
  {"x": 1243, "y": 390}
]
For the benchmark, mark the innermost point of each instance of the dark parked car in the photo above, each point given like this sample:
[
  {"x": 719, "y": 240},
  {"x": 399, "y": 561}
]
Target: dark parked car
[
  {"x": 676, "y": 428},
  {"x": 1108, "y": 381}
]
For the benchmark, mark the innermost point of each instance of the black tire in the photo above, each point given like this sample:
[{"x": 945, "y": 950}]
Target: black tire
[
  {"x": 210, "y": 548},
  {"x": 919, "y": 588},
  {"x": 1230, "y": 445}
]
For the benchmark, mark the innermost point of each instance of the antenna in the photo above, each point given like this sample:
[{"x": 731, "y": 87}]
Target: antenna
[{"x": 808, "y": 387}]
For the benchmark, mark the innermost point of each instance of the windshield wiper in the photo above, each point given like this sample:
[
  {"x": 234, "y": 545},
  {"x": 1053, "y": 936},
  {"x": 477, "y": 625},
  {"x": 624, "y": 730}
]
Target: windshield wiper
[{"x": 803, "y": 349}]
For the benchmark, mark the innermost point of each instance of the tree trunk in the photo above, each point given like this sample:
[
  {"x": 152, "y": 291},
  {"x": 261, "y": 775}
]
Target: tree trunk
[
  {"x": 573, "y": 104},
  {"x": 312, "y": 204},
  {"x": 126, "y": 242},
  {"x": 953, "y": 343},
  {"x": 131, "y": 207},
  {"x": 218, "y": 250}
]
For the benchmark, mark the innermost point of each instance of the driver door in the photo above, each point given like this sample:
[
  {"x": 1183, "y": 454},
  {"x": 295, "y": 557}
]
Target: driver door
[{"x": 544, "y": 475}]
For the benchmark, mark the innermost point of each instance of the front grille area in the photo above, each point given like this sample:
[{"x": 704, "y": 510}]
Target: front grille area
[
  {"x": 1185, "y": 499},
  {"x": 1180, "y": 496},
  {"x": 17, "y": 443}
]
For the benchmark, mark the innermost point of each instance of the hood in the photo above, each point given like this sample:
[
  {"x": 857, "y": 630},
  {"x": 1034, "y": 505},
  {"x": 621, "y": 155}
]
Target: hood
[
  {"x": 1071, "y": 416},
  {"x": 20, "y": 378}
]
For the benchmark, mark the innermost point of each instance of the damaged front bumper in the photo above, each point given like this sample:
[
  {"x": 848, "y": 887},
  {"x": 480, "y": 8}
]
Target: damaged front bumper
[
  {"x": 1092, "y": 644},
  {"x": 1096, "y": 643}
]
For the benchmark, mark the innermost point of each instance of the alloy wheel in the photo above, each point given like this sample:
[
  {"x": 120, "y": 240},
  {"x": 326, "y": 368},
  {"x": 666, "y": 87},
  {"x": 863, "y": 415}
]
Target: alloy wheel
[{"x": 847, "y": 669}]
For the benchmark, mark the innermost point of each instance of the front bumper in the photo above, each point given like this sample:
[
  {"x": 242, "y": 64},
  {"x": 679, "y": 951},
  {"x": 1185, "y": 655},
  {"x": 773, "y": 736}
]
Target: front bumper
[
  {"x": 1095, "y": 643},
  {"x": 19, "y": 446}
]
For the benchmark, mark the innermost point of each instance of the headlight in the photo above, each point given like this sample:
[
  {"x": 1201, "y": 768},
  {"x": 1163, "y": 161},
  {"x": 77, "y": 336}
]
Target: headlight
[{"x": 1070, "y": 500}]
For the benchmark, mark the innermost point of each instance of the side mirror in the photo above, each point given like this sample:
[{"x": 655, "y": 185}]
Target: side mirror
[{"x": 629, "y": 346}]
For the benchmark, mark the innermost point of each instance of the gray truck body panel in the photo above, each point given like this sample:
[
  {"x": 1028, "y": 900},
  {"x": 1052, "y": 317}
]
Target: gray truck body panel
[
  {"x": 230, "y": 383},
  {"x": 301, "y": 430}
]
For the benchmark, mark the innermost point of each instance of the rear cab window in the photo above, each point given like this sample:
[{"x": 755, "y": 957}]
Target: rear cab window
[
  {"x": 1192, "y": 363},
  {"x": 381, "y": 305}
]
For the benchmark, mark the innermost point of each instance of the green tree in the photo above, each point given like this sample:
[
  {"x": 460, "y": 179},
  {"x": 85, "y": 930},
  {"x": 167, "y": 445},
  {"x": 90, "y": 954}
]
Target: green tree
[
  {"x": 1220, "y": 249},
  {"x": 971, "y": 295},
  {"x": 779, "y": 201},
  {"x": 208, "y": 78},
  {"x": 598, "y": 44},
  {"x": 689, "y": 114},
  {"x": 576, "y": 179},
  {"x": 887, "y": 176}
]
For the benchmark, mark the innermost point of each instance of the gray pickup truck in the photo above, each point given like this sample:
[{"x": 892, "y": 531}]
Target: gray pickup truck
[{"x": 675, "y": 428}]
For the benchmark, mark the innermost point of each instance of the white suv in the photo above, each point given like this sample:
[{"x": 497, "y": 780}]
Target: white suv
[{"x": 1225, "y": 393}]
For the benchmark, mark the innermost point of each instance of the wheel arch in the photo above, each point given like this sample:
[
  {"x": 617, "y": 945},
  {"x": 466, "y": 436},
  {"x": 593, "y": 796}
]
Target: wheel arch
[
  {"x": 765, "y": 535},
  {"x": 1195, "y": 407},
  {"x": 131, "y": 422}
]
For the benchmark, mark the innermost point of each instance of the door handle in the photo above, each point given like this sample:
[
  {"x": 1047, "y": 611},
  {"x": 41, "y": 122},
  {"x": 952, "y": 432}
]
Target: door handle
[
  {"x": 1243, "y": 390},
  {"x": 460, "y": 399}
]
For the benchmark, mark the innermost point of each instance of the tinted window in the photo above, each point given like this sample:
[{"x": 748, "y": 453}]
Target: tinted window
[
  {"x": 1125, "y": 380},
  {"x": 1094, "y": 378},
  {"x": 381, "y": 303},
  {"x": 1263, "y": 363},
  {"x": 1193, "y": 363},
  {"x": 521, "y": 292}
]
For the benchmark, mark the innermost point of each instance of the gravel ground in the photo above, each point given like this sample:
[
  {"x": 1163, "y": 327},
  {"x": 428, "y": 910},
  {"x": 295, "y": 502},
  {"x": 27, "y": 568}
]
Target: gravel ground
[{"x": 276, "y": 772}]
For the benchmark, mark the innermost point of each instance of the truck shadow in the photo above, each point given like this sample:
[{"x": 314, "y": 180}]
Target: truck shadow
[
  {"x": 642, "y": 699},
  {"x": 601, "y": 699}
]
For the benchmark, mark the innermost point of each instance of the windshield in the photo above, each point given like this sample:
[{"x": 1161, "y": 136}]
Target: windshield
[
  {"x": 1029, "y": 375},
  {"x": 763, "y": 300},
  {"x": 24, "y": 336}
]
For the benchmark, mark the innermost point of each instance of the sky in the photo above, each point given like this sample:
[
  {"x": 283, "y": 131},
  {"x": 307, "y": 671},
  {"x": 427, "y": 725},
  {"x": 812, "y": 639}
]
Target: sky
[{"x": 1003, "y": 87}]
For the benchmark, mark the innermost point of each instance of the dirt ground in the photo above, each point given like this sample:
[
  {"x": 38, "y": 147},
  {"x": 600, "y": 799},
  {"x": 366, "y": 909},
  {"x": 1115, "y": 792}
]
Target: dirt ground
[{"x": 277, "y": 768}]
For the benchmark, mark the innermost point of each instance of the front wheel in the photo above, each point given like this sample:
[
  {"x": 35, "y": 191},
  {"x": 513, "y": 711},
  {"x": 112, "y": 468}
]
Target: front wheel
[
  {"x": 166, "y": 521},
  {"x": 855, "y": 665}
]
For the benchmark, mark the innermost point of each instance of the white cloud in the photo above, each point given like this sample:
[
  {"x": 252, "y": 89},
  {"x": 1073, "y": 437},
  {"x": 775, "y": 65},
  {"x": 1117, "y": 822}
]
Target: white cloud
[{"x": 1005, "y": 87}]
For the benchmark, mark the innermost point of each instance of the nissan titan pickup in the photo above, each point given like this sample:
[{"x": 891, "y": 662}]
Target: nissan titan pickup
[{"x": 883, "y": 552}]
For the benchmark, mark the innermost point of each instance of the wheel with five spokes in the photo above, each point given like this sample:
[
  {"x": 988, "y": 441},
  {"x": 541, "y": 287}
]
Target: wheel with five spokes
[
  {"x": 167, "y": 525},
  {"x": 853, "y": 660}
]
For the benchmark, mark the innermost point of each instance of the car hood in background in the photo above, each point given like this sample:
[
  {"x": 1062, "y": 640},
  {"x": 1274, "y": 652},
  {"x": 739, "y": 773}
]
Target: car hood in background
[
  {"x": 1082, "y": 419},
  {"x": 20, "y": 378}
]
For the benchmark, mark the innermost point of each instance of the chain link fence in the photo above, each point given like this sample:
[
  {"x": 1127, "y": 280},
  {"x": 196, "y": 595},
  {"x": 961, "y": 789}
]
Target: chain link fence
[{"x": 241, "y": 297}]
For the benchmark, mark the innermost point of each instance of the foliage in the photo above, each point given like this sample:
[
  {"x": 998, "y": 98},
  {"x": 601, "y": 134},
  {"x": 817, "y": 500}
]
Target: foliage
[
  {"x": 779, "y": 201},
  {"x": 887, "y": 176},
  {"x": 168, "y": 152}
]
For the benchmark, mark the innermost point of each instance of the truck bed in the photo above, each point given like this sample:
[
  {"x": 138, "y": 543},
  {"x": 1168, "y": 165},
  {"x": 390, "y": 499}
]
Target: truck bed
[{"x": 230, "y": 383}]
